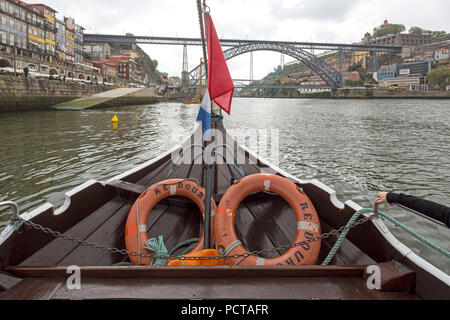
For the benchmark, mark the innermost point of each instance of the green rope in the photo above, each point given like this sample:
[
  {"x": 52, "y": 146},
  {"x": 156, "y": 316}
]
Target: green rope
[
  {"x": 157, "y": 246},
  {"x": 341, "y": 238},
  {"x": 415, "y": 234},
  {"x": 389, "y": 218}
]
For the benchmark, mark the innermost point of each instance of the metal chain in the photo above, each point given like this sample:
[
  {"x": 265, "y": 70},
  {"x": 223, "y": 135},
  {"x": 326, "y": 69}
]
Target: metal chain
[{"x": 58, "y": 234}]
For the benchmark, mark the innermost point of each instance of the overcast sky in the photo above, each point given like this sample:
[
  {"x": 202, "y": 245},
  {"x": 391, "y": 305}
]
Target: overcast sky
[{"x": 297, "y": 20}]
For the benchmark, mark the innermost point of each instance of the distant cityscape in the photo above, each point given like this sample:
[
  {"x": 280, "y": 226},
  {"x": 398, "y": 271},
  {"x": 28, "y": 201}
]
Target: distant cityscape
[
  {"x": 33, "y": 37},
  {"x": 423, "y": 51}
]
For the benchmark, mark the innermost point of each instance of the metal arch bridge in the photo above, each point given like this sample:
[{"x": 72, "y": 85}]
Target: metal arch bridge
[
  {"x": 105, "y": 38},
  {"x": 296, "y": 50},
  {"x": 329, "y": 75},
  {"x": 269, "y": 86}
]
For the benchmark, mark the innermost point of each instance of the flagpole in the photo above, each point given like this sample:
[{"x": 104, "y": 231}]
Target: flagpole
[
  {"x": 208, "y": 167},
  {"x": 202, "y": 32}
]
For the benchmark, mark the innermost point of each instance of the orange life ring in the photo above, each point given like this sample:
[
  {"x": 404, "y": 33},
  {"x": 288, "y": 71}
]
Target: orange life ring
[
  {"x": 308, "y": 224},
  {"x": 136, "y": 228}
]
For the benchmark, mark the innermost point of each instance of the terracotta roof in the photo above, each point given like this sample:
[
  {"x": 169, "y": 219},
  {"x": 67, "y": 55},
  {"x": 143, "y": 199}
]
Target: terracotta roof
[
  {"x": 43, "y": 5},
  {"x": 107, "y": 62}
]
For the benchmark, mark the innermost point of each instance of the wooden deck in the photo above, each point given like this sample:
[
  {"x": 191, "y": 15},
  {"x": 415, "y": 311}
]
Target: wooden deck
[{"x": 304, "y": 282}]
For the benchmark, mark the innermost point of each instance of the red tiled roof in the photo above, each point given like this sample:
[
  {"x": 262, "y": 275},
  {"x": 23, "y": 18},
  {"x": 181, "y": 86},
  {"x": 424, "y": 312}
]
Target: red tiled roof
[{"x": 43, "y": 5}]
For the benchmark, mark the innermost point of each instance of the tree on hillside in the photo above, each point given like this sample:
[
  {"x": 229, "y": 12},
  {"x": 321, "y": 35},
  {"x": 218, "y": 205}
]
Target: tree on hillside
[
  {"x": 439, "y": 77},
  {"x": 416, "y": 30},
  {"x": 154, "y": 64},
  {"x": 388, "y": 29},
  {"x": 440, "y": 35}
]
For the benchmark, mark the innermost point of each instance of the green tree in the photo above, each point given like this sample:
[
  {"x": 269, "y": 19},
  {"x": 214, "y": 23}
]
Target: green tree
[
  {"x": 389, "y": 29},
  {"x": 440, "y": 35},
  {"x": 439, "y": 77},
  {"x": 353, "y": 83},
  {"x": 154, "y": 64},
  {"x": 356, "y": 67},
  {"x": 416, "y": 30}
]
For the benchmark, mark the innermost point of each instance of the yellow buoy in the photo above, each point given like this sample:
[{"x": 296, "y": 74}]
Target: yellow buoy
[
  {"x": 115, "y": 119},
  {"x": 137, "y": 117}
]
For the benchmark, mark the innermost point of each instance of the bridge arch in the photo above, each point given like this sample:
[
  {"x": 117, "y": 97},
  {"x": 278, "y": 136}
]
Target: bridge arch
[{"x": 326, "y": 72}]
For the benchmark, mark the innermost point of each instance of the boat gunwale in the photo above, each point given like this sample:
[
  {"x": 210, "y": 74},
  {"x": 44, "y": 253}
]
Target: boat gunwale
[{"x": 383, "y": 230}]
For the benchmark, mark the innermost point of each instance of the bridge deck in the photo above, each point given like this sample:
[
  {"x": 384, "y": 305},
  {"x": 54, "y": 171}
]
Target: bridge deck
[{"x": 88, "y": 38}]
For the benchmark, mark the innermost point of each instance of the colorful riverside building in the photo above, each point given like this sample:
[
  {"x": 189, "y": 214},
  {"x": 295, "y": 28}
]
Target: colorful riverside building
[
  {"x": 49, "y": 27},
  {"x": 386, "y": 72},
  {"x": 79, "y": 35},
  {"x": 60, "y": 41},
  {"x": 31, "y": 36},
  {"x": 70, "y": 39},
  {"x": 22, "y": 27},
  {"x": 13, "y": 29}
]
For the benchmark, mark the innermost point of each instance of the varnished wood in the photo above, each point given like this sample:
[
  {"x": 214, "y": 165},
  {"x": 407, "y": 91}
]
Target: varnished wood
[
  {"x": 263, "y": 288},
  {"x": 395, "y": 277},
  {"x": 33, "y": 289},
  {"x": 59, "y": 248},
  {"x": 31, "y": 241},
  {"x": 193, "y": 272},
  {"x": 126, "y": 189},
  {"x": 7, "y": 281}
]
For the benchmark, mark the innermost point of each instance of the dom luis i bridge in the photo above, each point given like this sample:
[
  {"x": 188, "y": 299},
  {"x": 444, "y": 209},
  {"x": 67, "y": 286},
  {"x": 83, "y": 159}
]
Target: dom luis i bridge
[{"x": 301, "y": 51}]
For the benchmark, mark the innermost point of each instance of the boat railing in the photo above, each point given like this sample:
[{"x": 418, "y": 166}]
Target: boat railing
[
  {"x": 13, "y": 206},
  {"x": 377, "y": 203}
]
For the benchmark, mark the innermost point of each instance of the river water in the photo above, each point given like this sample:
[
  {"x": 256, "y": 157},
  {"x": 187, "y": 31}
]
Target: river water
[{"x": 357, "y": 147}]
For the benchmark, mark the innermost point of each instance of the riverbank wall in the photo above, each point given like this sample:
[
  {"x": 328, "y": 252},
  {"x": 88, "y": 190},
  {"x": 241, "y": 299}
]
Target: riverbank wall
[
  {"x": 358, "y": 93},
  {"x": 388, "y": 94},
  {"x": 21, "y": 94}
]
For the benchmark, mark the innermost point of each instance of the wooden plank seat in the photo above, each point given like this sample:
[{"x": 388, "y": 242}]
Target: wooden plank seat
[{"x": 301, "y": 282}]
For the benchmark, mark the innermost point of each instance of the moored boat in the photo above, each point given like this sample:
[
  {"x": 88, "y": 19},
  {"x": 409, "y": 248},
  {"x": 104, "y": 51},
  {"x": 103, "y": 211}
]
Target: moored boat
[{"x": 90, "y": 233}]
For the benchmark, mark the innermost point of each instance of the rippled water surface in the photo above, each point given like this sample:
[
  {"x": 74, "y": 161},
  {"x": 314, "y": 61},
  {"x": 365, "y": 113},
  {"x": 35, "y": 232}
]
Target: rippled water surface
[{"x": 357, "y": 147}]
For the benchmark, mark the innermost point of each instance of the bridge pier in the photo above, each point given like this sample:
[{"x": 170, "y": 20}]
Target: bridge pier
[
  {"x": 251, "y": 66},
  {"x": 185, "y": 72},
  {"x": 340, "y": 66},
  {"x": 373, "y": 66}
]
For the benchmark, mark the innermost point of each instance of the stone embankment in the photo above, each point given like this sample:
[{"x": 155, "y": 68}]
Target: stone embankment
[
  {"x": 20, "y": 94},
  {"x": 388, "y": 94}
]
